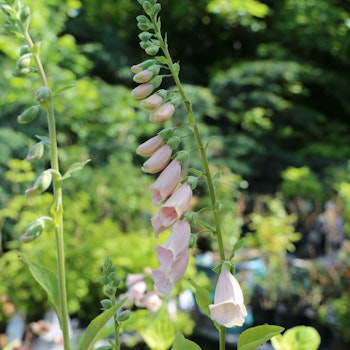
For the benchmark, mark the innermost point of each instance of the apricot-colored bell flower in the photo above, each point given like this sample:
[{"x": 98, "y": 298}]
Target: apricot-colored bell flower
[
  {"x": 147, "y": 148},
  {"x": 176, "y": 205},
  {"x": 228, "y": 309},
  {"x": 163, "y": 113},
  {"x": 166, "y": 182},
  {"x": 158, "y": 160}
]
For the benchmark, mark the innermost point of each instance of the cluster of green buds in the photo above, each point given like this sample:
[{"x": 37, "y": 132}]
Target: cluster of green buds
[
  {"x": 17, "y": 22},
  {"x": 111, "y": 285},
  {"x": 149, "y": 25}
]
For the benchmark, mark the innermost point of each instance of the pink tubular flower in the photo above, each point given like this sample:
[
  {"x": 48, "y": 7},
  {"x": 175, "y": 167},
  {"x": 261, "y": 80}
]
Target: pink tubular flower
[
  {"x": 147, "y": 148},
  {"x": 228, "y": 309},
  {"x": 175, "y": 246},
  {"x": 166, "y": 182},
  {"x": 158, "y": 160},
  {"x": 163, "y": 113},
  {"x": 176, "y": 205},
  {"x": 158, "y": 225},
  {"x": 165, "y": 277},
  {"x": 152, "y": 102}
]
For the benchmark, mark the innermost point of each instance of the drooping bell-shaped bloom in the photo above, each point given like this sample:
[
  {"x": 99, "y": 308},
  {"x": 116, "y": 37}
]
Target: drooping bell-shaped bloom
[
  {"x": 158, "y": 160},
  {"x": 147, "y": 148},
  {"x": 173, "y": 257},
  {"x": 163, "y": 113},
  {"x": 152, "y": 102},
  {"x": 176, "y": 205},
  {"x": 166, "y": 182},
  {"x": 165, "y": 277},
  {"x": 177, "y": 243},
  {"x": 228, "y": 309}
]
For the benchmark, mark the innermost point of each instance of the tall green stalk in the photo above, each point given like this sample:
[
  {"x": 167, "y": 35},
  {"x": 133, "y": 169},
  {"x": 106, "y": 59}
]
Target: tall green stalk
[
  {"x": 57, "y": 208},
  {"x": 205, "y": 163}
]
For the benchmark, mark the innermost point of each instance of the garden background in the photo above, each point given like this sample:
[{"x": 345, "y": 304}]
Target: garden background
[{"x": 269, "y": 81}]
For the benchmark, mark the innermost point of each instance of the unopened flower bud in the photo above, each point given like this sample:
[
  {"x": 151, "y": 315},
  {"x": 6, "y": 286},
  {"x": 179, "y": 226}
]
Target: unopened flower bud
[
  {"x": 150, "y": 146},
  {"x": 145, "y": 89},
  {"x": 147, "y": 74},
  {"x": 143, "y": 77},
  {"x": 152, "y": 50},
  {"x": 156, "y": 8},
  {"x": 144, "y": 36},
  {"x": 24, "y": 50},
  {"x": 24, "y": 61},
  {"x": 163, "y": 113},
  {"x": 35, "y": 229},
  {"x": 28, "y": 115},
  {"x": 145, "y": 44},
  {"x": 137, "y": 68},
  {"x": 36, "y": 152},
  {"x": 43, "y": 96},
  {"x": 123, "y": 316},
  {"x": 142, "y": 19},
  {"x": 25, "y": 14},
  {"x": 152, "y": 102},
  {"x": 144, "y": 26},
  {"x": 41, "y": 184}
]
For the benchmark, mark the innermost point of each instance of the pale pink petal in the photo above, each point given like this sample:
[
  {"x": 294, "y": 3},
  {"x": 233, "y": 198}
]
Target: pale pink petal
[
  {"x": 166, "y": 182},
  {"x": 158, "y": 160},
  {"x": 147, "y": 148},
  {"x": 175, "y": 245},
  {"x": 163, "y": 113},
  {"x": 152, "y": 102},
  {"x": 141, "y": 91},
  {"x": 228, "y": 314},
  {"x": 165, "y": 278},
  {"x": 177, "y": 204},
  {"x": 157, "y": 225}
]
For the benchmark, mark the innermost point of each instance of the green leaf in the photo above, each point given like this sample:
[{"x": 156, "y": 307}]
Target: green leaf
[
  {"x": 94, "y": 328},
  {"x": 63, "y": 88},
  {"x": 48, "y": 280},
  {"x": 238, "y": 245},
  {"x": 253, "y": 337},
  {"x": 181, "y": 343},
  {"x": 202, "y": 297},
  {"x": 75, "y": 167}
]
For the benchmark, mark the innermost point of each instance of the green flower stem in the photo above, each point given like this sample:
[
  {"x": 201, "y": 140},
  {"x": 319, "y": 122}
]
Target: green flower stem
[
  {"x": 222, "y": 341},
  {"x": 57, "y": 209},
  {"x": 116, "y": 327},
  {"x": 201, "y": 147}
]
